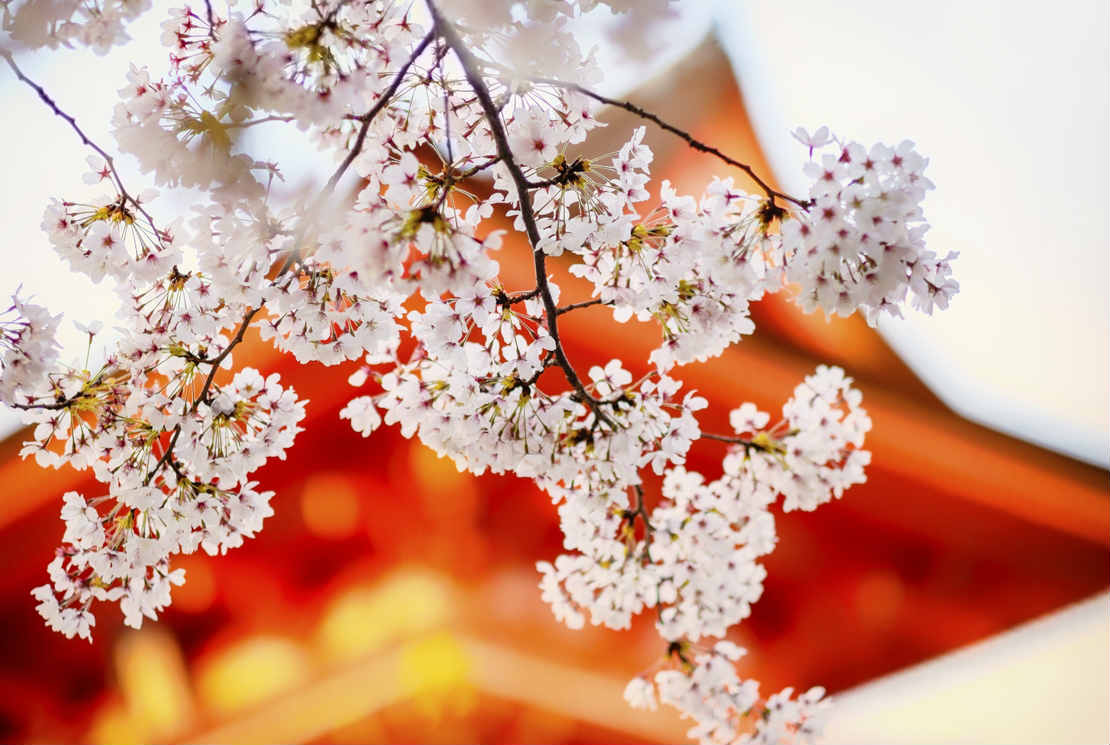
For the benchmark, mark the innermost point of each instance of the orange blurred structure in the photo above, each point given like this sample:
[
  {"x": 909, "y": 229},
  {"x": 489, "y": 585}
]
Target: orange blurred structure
[{"x": 391, "y": 598}]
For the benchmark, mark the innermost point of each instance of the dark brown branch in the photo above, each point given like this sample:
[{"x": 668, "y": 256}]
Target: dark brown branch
[
  {"x": 543, "y": 184},
  {"x": 641, "y": 512},
  {"x": 505, "y": 300},
  {"x": 57, "y": 406},
  {"x": 470, "y": 67},
  {"x": 360, "y": 140},
  {"x": 723, "y": 438},
  {"x": 165, "y": 455},
  {"x": 211, "y": 20},
  {"x": 583, "y": 304},
  {"x": 215, "y": 365},
  {"x": 368, "y": 117},
  {"x": 474, "y": 170},
  {"x": 690, "y": 140},
  {"x": 732, "y": 440}
]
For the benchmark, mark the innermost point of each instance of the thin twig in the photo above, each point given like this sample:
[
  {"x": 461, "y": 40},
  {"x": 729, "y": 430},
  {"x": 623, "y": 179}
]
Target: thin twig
[
  {"x": 473, "y": 170},
  {"x": 500, "y": 138},
  {"x": 360, "y": 141},
  {"x": 686, "y": 136},
  {"x": 583, "y": 304},
  {"x": 215, "y": 363},
  {"x": 366, "y": 118},
  {"x": 732, "y": 440},
  {"x": 373, "y": 112},
  {"x": 211, "y": 20},
  {"x": 505, "y": 300},
  {"x": 57, "y": 406},
  {"x": 723, "y": 438},
  {"x": 641, "y": 512},
  {"x": 85, "y": 140},
  {"x": 165, "y": 455}
]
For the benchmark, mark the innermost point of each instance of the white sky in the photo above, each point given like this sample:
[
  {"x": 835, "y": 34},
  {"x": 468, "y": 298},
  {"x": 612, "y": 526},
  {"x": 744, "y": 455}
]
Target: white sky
[
  {"x": 1010, "y": 102},
  {"x": 1012, "y": 108}
]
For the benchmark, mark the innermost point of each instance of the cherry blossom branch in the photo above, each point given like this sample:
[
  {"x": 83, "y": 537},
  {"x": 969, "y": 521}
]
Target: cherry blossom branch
[
  {"x": 723, "y": 438},
  {"x": 85, "y": 140},
  {"x": 641, "y": 512},
  {"x": 165, "y": 455},
  {"x": 732, "y": 440},
  {"x": 218, "y": 359},
  {"x": 368, "y": 117},
  {"x": 211, "y": 19},
  {"x": 504, "y": 299},
  {"x": 583, "y": 304},
  {"x": 474, "y": 170},
  {"x": 360, "y": 141},
  {"x": 587, "y": 443},
  {"x": 214, "y": 364},
  {"x": 328, "y": 189},
  {"x": 470, "y": 67},
  {"x": 690, "y": 140},
  {"x": 56, "y": 406}
]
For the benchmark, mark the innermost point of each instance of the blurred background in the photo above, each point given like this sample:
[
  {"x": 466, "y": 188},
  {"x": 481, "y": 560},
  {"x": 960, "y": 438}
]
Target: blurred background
[{"x": 959, "y": 595}]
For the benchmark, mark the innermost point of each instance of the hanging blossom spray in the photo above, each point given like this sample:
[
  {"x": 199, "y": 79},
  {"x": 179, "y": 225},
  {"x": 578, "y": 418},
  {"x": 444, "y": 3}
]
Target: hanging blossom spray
[{"x": 417, "y": 102}]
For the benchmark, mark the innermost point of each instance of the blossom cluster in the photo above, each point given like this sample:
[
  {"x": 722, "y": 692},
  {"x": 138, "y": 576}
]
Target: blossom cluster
[
  {"x": 861, "y": 244},
  {"x": 696, "y": 561},
  {"x": 97, "y": 24},
  {"x": 705, "y": 685},
  {"x": 28, "y": 348},
  {"x": 450, "y": 138},
  {"x": 196, "y": 494}
]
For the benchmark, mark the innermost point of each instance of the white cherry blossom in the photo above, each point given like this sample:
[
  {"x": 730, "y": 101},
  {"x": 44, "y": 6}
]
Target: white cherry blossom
[{"x": 431, "y": 122}]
